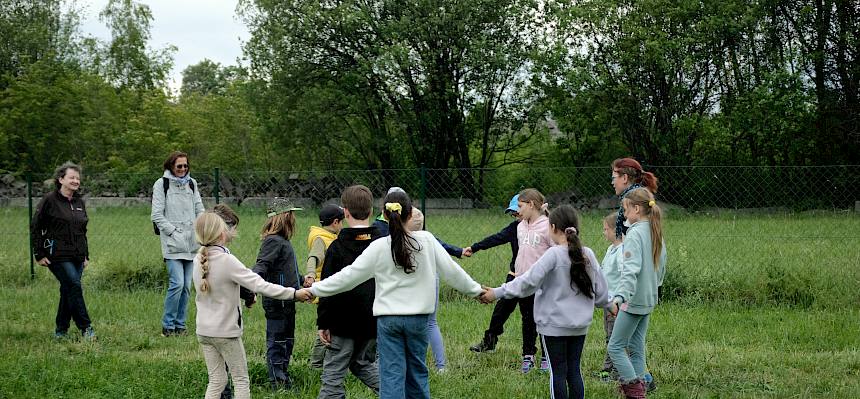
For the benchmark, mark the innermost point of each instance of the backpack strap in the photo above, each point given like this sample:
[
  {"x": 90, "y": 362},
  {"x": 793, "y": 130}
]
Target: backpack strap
[{"x": 165, "y": 182}]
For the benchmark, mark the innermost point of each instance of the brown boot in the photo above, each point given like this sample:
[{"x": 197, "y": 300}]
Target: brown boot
[{"x": 633, "y": 390}]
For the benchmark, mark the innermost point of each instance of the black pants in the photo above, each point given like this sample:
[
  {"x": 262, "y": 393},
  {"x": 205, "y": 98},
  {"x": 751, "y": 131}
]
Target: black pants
[
  {"x": 72, "y": 304},
  {"x": 503, "y": 310},
  {"x": 565, "y": 354},
  {"x": 280, "y": 337}
]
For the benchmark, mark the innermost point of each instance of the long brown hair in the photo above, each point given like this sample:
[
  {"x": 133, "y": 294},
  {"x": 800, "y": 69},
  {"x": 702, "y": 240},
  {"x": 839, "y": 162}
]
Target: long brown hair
[
  {"x": 282, "y": 224},
  {"x": 632, "y": 168},
  {"x": 402, "y": 244},
  {"x": 646, "y": 202},
  {"x": 565, "y": 218},
  {"x": 534, "y": 197}
]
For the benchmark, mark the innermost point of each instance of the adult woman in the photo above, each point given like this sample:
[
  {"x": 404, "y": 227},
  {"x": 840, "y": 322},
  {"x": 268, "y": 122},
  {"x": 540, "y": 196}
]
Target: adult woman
[
  {"x": 59, "y": 234},
  {"x": 628, "y": 175},
  {"x": 176, "y": 203}
]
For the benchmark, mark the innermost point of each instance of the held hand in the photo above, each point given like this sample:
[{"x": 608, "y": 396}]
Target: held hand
[
  {"x": 467, "y": 252},
  {"x": 309, "y": 280},
  {"x": 44, "y": 262},
  {"x": 613, "y": 310},
  {"x": 487, "y": 296},
  {"x": 249, "y": 303},
  {"x": 86, "y": 262},
  {"x": 304, "y": 295},
  {"x": 325, "y": 337}
]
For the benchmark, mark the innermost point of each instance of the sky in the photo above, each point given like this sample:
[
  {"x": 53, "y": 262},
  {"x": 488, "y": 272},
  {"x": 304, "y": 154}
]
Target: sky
[{"x": 198, "y": 28}]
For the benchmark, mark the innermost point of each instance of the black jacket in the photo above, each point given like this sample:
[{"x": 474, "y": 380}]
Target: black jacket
[
  {"x": 276, "y": 263},
  {"x": 59, "y": 228},
  {"x": 508, "y": 235},
  {"x": 348, "y": 314}
]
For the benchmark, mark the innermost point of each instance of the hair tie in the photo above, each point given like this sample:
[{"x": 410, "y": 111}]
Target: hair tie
[
  {"x": 544, "y": 207},
  {"x": 570, "y": 230},
  {"x": 393, "y": 207},
  {"x": 652, "y": 203}
]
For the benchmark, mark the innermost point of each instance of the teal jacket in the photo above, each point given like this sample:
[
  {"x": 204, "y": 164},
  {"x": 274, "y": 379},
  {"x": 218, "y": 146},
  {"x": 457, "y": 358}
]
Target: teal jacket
[{"x": 639, "y": 280}]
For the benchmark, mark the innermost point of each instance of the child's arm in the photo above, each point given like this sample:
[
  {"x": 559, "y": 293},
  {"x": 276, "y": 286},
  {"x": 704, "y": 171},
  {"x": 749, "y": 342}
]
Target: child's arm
[
  {"x": 598, "y": 281},
  {"x": 505, "y": 236},
  {"x": 452, "y": 250},
  {"x": 252, "y": 281},
  {"x": 454, "y": 275},
  {"x": 315, "y": 254},
  {"x": 661, "y": 272},
  {"x": 527, "y": 283},
  {"x": 631, "y": 265},
  {"x": 352, "y": 275},
  {"x": 269, "y": 250},
  {"x": 329, "y": 268}
]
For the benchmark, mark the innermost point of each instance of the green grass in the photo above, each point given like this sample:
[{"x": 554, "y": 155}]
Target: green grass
[{"x": 757, "y": 306}]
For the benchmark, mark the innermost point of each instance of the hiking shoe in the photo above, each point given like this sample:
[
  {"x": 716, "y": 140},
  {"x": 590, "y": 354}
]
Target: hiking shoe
[
  {"x": 89, "y": 334},
  {"x": 544, "y": 364},
  {"x": 166, "y": 332},
  {"x": 487, "y": 345},
  {"x": 528, "y": 363}
]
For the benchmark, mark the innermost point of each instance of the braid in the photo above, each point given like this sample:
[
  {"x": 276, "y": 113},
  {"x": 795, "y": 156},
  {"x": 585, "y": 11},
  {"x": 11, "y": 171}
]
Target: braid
[{"x": 204, "y": 264}]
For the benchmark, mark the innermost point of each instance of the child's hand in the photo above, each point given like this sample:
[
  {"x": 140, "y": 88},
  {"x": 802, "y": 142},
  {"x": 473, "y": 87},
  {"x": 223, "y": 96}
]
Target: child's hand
[
  {"x": 249, "y": 303},
  {"x": 487, "y": 296},
  {"x": 309, "y": 280},
  {"x": 467, "y": 252},
  {"x": 304, "y": 295},
  {"x": 325, "y": 337}
]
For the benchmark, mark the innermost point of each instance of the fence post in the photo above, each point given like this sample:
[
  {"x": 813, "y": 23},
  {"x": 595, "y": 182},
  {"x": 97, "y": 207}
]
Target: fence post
[
  {"x": 424, "y": 191},
  {"x": 30, "y": 223},
  {"x": 217, "y": 185}
]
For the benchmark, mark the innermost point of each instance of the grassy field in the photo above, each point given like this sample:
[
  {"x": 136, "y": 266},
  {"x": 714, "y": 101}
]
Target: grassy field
[{"x": 756, "y": 306}]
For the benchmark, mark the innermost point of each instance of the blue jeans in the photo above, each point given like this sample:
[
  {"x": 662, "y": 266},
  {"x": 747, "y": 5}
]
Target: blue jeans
[
  {"x": 280, "y": 338},
  {"x": 565, "y": 355},
  {"x": 627, "y": 345},
  {"x": 72, "y": 304},
  {"x": 178, "y": 291},
  {"x": 402, "y": 347},
  {"x": 437, "y": 346}
]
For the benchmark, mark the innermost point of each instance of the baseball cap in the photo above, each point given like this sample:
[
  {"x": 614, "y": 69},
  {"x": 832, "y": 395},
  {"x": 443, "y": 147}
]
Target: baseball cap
[
  {"x": 280, "y": 205},
  {"x": 329, "y": 213},
  {"x": 395, "y": 189},
  {"x": 513, "y": 206}
]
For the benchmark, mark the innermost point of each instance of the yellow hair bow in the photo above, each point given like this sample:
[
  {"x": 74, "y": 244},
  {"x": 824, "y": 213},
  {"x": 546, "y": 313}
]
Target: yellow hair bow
[
  {"x": 393, "y": 207},
  {"x": 652, "y": 203}
]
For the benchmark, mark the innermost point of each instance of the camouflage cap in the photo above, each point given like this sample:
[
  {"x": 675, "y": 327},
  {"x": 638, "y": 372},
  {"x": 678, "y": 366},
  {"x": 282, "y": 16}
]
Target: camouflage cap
[{"x": 280, "y": 205}]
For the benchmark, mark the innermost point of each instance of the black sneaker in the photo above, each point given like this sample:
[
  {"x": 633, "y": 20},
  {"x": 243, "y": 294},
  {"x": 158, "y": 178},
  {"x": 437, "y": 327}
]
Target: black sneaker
[
  {"x": 487, "y": 345},
  {"x": 180, "y": 331},
  {"x": 166, "y": 332}
]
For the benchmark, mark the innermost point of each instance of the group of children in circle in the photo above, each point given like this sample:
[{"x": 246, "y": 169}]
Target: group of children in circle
[{"x": 378, "y": 292}]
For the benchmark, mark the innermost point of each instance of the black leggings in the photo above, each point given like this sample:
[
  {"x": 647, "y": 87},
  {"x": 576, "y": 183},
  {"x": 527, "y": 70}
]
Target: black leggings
[
  {"x": 565, "y": 354},
  {"x": 502, "y": 311}
]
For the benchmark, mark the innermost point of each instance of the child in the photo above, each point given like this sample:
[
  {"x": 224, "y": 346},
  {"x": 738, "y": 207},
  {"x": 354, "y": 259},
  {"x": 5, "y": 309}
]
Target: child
[
  {"x": 404, "y": 265},
  {"x": 345, "y": 321},
  {"x": 217, "y": 276},
  {"x": 319, "y": 238},
  {"x": 641, "y": 272},
  {"x": 504, "y": 307},
  {"x": 276, "y": 263},
  {"x": 611, "y": 270},
  {"x": 434, "y": 334},
  {"x": 568, "y": 286}
]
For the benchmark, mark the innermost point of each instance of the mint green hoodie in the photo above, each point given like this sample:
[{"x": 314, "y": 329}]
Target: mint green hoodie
[{"x": 638, "y": 282}]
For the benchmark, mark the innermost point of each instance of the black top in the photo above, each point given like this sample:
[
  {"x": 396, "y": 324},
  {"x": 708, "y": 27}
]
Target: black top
[
  {"x": 350, "y": 313},
  {"x": 508, "y": 235},
  {"x": 276, "y": 263},
  {"x": 59, "y": 228}
]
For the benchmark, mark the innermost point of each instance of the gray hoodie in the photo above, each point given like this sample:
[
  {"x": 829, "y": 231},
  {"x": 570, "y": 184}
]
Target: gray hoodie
[
  {"x": 175, "y": 217},
  {"x": 560, "y": 309}
]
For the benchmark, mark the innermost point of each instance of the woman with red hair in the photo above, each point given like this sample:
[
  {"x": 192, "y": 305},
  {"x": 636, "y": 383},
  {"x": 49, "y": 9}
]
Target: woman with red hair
[{"x": 628, "y": 175}]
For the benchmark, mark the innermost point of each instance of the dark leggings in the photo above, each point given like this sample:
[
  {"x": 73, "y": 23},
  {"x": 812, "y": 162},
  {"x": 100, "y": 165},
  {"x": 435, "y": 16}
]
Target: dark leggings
[
  {"x": 565, "y": 354},
  {"x": 502, "y": 311}
]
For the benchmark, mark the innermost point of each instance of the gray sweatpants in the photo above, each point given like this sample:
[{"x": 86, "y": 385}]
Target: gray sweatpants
[
  {"x": 220, "y": 351},
  {"x": 355, "y": 355}
]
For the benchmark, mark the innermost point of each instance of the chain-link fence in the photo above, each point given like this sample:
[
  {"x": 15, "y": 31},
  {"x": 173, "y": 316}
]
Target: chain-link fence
[{"x": 781, "y": 234}]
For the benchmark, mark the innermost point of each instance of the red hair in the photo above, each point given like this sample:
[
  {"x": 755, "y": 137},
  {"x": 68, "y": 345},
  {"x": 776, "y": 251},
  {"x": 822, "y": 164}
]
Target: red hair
[{"x": 632, "y": 168}]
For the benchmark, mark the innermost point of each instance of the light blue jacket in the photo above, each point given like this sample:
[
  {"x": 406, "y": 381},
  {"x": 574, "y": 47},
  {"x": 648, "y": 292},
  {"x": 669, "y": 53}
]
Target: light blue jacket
[
  {"x": 175, "y": 217},
  {"x": 639, "y": 280},
  {"x": 611, "y": 267}
]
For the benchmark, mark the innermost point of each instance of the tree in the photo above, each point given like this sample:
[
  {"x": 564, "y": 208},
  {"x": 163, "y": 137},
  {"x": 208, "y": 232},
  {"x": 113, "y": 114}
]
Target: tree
[{"x": 129, "y": 63}]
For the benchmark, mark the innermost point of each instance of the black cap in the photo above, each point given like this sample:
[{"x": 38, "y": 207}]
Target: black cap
[{"x": 329, "y": 213}]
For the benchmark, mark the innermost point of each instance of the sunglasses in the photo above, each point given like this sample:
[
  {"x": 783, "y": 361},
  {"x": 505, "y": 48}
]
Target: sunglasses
[{"x": 181, "y": 166}]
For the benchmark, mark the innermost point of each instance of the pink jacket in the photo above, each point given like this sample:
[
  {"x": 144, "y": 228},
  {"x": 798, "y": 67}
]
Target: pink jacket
[{"x": 534, "y": 240}]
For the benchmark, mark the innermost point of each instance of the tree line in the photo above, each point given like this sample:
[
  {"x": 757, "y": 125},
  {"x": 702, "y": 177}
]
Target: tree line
[{"x": 455, "y": 84}]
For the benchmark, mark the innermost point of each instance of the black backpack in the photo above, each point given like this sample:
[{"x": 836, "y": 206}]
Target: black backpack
[{"x": 165, "y": 182}]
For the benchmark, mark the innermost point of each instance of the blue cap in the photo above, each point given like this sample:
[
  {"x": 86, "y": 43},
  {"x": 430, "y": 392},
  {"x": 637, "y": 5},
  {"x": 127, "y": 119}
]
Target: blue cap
[{"x": 513, "y": 206}]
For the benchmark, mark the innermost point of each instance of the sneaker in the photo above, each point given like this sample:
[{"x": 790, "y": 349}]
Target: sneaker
[
  {"x": 166, "y": 332},
  {"x": 528, "y": 363},
  {"x": 180, "y": 331},
  {"x": 650, "y": 385},
  {"x": 89, "y": 334},
  {"x": 544, "y": 364},
  {"x": 441, "y": 370},
  {"x": 60, "y": 335},
  {"x": 487, "y": 345}
]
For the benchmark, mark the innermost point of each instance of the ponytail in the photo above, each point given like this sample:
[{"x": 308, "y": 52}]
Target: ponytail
[
  {"x": 564, "y": 218},
  {"x": 203, "y": 252},
  {"x": 649, "y": 181},
  {"x": 397, "y": 204},
  {"x": 632, "y": 168}
]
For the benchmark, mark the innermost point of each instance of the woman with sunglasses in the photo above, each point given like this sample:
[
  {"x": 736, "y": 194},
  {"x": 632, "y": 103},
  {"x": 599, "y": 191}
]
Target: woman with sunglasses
[{"x": 176, "y": 203}]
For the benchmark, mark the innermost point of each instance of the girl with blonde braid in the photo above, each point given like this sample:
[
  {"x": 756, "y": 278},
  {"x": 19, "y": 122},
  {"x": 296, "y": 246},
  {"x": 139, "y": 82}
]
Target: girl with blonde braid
[{"x": 217, "y": 276}]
